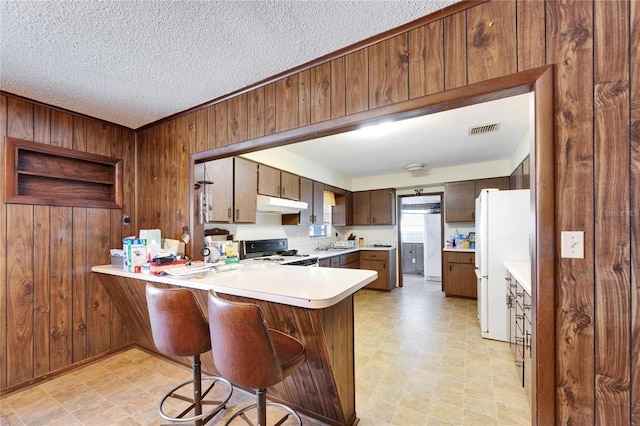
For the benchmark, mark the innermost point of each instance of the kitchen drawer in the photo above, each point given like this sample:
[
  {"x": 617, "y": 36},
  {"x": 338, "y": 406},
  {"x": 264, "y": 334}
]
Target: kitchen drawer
[
  {"x": 324, "y": 263},
  {"x": 374, "y": 255},
  {"x": 462, "y": 257},
  {"x": 335, "y": 262}
]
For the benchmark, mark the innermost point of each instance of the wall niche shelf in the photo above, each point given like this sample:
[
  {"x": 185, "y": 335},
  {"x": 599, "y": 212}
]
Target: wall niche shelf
[{"x": 42, "y": 174}]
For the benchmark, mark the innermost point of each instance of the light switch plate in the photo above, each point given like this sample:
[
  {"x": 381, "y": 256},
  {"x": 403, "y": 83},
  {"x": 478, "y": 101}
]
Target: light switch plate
[{"x": 572, "y": 244}]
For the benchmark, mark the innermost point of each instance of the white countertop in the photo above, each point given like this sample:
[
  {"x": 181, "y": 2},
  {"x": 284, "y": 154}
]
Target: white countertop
[
  {"x": 521, "y": 271},
  {"x": 303, "y": 286},
  {"x": 323, "y": 254},
  {"x": 462, "y": 250}
]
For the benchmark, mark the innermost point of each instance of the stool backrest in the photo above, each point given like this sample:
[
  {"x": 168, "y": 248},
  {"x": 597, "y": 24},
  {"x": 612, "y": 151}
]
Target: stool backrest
[
  {"x": 243, "y": 352},
  {"x": 177, "y": 323}
]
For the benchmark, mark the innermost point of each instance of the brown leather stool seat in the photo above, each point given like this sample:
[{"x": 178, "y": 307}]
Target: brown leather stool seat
[
  {"x": 180, "y": 328},
  {"x": 250, "y": 354}
]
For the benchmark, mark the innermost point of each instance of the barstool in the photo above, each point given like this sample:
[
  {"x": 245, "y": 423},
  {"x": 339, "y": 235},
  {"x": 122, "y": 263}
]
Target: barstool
[
  {"x": 180, "y": 328},
  {"x": 250, "y": 354}
]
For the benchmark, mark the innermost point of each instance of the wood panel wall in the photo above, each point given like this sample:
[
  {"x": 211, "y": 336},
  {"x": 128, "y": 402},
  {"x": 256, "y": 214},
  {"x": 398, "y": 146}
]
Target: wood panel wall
[
  {"x": 594, "y": 49},
  {"x": 53, "y": 311}
]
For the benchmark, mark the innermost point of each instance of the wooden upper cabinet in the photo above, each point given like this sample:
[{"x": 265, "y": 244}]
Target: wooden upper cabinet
[
  {"x": 311, "y": 192},
  {"x": 361, "y": 208},
  {"x": 526, "y": 173},
  {"x": 217, "y": 182},
  {"x": 244, "y": 190},
  {"x": 376, "y": 207},
  {"x": 268, "y": 181},
  {"x": 520, "y": 177},
  {"x": 318, "y": 203},
  {"x": 289, "y": 185},
  {"x": 342, "y": 212},
  {"x": 383, "y": 207},
  {"x": 502, "y": 183},
  {"x": 459, "y": 201},
  {"x": 460, "y": 197},
  {"x": 515, "y": 179},
  {"x": 306, "y": 195},
  {"x": 278, "y": 183}
]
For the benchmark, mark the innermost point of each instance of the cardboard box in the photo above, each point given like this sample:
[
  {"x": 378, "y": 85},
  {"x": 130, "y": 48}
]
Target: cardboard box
[{"x": 135, "y": 254}]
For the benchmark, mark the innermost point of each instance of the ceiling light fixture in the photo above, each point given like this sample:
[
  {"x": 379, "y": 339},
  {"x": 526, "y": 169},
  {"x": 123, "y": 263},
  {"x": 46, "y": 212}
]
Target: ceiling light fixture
[{"x": 415, "y": 167}]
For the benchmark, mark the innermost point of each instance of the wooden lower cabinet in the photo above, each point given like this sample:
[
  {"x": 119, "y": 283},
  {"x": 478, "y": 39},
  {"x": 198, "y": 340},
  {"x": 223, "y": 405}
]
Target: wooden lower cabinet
[
  {"x": 348, "y": 260},
  {"x": 381, "y": 261},
  {"x": 520, "y": 332},
  {"x": 459, "y": 276},
  {"x": 384, "y": 263}
]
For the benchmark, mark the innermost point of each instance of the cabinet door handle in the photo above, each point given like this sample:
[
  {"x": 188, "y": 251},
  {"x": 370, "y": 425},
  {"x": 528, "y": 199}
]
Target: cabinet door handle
[
  {"x": 283, "y": 191},
  {"x": 229, "y": 212},
  {"x": 373, "y": 220},
  {"x": 237, "y": 214},
  {"x": 277, "y": 190}
]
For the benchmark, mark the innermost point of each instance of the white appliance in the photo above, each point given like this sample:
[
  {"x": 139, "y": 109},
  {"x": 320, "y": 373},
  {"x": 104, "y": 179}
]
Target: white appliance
[
  {"x": 432, "y": 247},
  {"x": 503, "y": 228}
]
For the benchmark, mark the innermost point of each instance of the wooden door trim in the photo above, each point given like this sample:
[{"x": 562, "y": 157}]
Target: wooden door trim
[{"x": 540, "y": 82}]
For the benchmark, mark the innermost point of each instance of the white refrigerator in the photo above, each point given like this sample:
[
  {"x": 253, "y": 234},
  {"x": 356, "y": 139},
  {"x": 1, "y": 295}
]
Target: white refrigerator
[{"x": 503, "y": 229}]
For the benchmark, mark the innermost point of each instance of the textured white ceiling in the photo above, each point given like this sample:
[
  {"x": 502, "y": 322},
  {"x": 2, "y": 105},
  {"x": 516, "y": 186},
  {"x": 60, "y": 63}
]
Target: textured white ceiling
[
  {"x": 135, "y": 62},
  {"x": 437, "y": 140}
]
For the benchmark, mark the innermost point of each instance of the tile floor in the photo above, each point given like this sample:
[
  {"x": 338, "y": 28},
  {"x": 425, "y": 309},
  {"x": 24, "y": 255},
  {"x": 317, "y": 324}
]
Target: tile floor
[{"x": 420, "y": 360}]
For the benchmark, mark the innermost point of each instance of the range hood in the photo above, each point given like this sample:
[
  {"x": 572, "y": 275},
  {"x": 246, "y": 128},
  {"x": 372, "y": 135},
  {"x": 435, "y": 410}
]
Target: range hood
[{"x": 268, "y": 204}]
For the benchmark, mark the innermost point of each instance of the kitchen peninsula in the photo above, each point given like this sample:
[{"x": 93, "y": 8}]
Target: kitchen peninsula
[{"x": 315, "y": 305}]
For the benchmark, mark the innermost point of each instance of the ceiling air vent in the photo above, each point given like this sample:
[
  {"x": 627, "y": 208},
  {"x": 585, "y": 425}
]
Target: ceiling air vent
[{"x": 487, "y": 128}]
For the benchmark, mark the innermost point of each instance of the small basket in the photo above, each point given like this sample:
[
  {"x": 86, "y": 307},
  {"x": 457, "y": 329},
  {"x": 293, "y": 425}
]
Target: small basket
[{"x": 117, "y": 262}]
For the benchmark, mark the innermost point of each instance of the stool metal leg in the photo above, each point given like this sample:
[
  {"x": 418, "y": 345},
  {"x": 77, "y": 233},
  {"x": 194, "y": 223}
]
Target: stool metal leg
[
  {"x": 197, "y": 389},
  {"x": 261, "y": 411},
  {"x": 262, "y": 407},
  {"x": 196, "y": 399}
]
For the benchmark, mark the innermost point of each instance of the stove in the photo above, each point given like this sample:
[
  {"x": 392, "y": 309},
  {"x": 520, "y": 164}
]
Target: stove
[{"x": 274, "y": 250}]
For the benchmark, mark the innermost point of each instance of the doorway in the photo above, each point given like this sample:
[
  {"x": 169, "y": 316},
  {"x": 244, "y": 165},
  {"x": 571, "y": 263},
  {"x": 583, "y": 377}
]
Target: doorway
[{"x": 420, "y": 239}]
